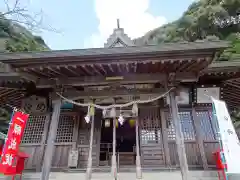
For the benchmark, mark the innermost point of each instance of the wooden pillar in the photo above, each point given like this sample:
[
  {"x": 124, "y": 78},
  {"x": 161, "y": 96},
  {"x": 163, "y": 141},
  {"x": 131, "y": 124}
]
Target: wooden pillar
[
  {"x": 43, "y": 141},
  {"x": 75, "y": 131},
  {"x": 89, "y": 165},
  {"x": 138, "y": 158},
  {"x": 165, "y": 139},
  {"x": 199, "y": 139},
  {"x": 179, "y": 136},
  {"x": 51, "y": 139},
  {"x": 114, "y": 159},
  {"x": 98, "y": 126}
]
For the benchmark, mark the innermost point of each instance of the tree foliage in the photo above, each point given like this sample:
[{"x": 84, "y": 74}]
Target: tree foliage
[
  {"x": 198, "y": 22},
  {"x": 16, "y": 38},
  {"x": 15, "y": 22}
]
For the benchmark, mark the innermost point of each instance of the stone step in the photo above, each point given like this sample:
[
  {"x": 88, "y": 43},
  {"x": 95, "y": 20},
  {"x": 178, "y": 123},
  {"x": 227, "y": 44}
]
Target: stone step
[{"x": 174, "y": 175}]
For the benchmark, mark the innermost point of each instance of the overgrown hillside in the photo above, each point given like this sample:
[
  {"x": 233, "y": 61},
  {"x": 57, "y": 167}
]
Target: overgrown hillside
[
  {"x": 16, "y": 38},
  {"x": 200, "y": 22}
]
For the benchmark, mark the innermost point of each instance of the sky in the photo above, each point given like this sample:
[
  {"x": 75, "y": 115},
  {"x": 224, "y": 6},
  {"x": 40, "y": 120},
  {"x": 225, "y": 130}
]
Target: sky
[{"x": 88, "y": 23}]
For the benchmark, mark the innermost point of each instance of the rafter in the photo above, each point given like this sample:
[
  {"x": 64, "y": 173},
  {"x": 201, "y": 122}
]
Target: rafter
[
  {"x": 56, "y": 72},
  {"x": 232, "y": 84},
  {"x": 110, "y": 67},
  {"x": 36, "y": 72},
  {"x": 6, "y": 68},
  {"x": 119, "y": 68},
  {"x": 48, "y": 70},
  {"x": 127, "y": 67},
  {"x": 96, "y": 70},
  {"x": 102, "y": 68},
  {"x": 72, "y": 69},
  {"x": 84, "y": 67},
  {"x": 135, "y": 67}
]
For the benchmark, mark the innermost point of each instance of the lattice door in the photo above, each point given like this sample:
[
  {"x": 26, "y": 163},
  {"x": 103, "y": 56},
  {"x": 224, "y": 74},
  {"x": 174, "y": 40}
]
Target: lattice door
[
  {"x": 186, "y": 125},
  {"x": 189, "y": 134},
  {"x": 65, "y": 128},
  {"x": 34, "y": 129},
  {"x": 208, "y": 130},
  {"x": 31, "y": 141},
  {"x": 151, "y": 136},
  {"x": 63, "y": 142}
]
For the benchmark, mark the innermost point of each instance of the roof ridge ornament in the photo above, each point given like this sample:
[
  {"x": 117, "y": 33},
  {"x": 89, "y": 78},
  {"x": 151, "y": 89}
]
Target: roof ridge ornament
[
  {"x": 118, "y": 38},
  {"x": 118, "y": 23}
]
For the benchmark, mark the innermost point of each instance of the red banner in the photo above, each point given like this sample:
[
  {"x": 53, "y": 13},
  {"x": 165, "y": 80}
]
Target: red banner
[{"x": 13, "y": 141}]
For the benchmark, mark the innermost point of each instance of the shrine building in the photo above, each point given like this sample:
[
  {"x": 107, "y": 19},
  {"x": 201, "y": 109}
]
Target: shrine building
[{"x": 176, "y": 131}]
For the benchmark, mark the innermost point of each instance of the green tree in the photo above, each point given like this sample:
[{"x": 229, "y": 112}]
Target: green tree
[{"x": 199, "y": 21}]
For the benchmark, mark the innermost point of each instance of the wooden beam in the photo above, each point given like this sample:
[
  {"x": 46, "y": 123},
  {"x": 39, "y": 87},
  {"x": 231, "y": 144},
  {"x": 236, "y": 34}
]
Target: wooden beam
[
  {"x": 8, "y": 74},
  {"x": 75, "y": 95},
  {"x": 128, "y": 79},
  {"x": 13, "y": 85}
]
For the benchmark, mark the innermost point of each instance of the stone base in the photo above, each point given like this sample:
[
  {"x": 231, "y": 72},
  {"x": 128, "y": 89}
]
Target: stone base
[
  {"x": 138, "y": 168},
  {"x": 156, "y": 175},
  {"x": 89, "y": 169},
  {"x": 114, "y": 167}
]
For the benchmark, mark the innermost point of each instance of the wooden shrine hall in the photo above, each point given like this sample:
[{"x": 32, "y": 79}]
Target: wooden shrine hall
[{"x": 57, "y": 136}]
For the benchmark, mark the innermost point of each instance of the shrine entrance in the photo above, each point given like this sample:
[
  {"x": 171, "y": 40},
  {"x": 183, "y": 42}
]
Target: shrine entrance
[{"x": 125, "y": 143}]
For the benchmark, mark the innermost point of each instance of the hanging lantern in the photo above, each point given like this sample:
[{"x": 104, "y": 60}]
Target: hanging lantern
[
  {"x": 104, "y": 112},
  {"x": 121, "y": 119},
  {"x": 87, "y": 117},
  {"x": 135, "y": 109},
  {"x": 132, "y": 122},
  {"x": 107, "y": 123}
]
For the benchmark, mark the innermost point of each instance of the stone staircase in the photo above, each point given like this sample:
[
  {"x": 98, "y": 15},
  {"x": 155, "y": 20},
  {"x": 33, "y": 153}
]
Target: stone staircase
[{"x": 164, "y": 175}]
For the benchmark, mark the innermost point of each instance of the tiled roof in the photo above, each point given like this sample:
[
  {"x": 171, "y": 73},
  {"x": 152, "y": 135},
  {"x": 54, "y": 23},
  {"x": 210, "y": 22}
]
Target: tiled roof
[{"x": 100, "y": 52}]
